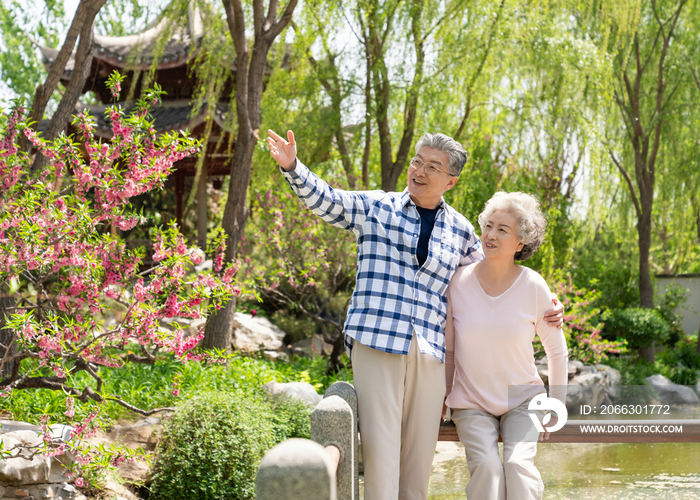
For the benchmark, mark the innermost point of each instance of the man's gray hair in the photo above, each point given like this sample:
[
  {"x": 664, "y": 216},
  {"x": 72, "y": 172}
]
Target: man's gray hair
[
  {"x": 531, "y": 222},
  {"x": 455, "y": 152}
]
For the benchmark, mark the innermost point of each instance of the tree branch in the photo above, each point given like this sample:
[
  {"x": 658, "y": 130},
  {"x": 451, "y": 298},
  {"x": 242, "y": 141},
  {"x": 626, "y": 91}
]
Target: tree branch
[{"x": 630, "y": 184}]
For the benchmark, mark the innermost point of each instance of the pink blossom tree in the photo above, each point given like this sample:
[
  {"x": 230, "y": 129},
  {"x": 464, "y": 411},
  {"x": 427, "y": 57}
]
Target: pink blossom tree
[
  {"x": 62, "y": 266},
  {"x": 300, "y": 265}
]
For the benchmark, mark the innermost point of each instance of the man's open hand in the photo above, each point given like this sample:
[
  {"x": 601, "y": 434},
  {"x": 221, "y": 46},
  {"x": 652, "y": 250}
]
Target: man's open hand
[{"x": 284, "y": 152}]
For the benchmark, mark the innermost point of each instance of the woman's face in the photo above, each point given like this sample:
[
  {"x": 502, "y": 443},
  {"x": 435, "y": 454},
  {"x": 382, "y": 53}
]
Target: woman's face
[{"x": 500, "y": 235}]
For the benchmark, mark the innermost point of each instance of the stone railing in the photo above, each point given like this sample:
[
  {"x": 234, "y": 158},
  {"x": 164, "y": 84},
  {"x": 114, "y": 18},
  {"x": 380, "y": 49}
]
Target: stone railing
[{"x": 324, "y": 467}]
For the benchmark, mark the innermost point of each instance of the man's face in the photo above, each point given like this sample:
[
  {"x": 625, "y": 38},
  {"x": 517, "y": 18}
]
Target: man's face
[{"x": 426, "y": 189}]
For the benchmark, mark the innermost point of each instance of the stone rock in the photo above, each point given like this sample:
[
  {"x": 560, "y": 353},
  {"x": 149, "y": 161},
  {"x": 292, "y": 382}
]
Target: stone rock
[
  {"x": 669, "y": 393},
  {"x": 573, "y": 396},
  {"x": 613, "y": 377},
  {"x": 586, "y": 389},
  {"x": 312, "y": 347},
  {"x": 254, "y": 333},
  {"x": 190, "y": 327},
  {"x": 299, "y": 390},
  {"x": 207, "y": 265},
  {"x": 543, "y": 372},
  {"x": 574, "y": 367},
  {"x": 140, "y": 434},
  {"x": 38, "y": 470},
  {"x": 13, "y": 426},
  {"x": 116, "y": 491},
  {"x": 276, "y": 355},
  {"x": 69, "y": 492},
  {"x": 590, "y": 379},
  {"x": 54, "y": 491}
]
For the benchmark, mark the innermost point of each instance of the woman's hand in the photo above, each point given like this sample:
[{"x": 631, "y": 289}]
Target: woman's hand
[
  {"x": 544, "y": 436},
  {"x": 444, "y": 409},
  {"x": 284, "y": 152},
  {"x": 555, "y": 317}
]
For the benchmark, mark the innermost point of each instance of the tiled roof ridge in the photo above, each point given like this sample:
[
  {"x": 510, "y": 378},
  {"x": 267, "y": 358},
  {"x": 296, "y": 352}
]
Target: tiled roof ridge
[{"x": 117, "y": 51}]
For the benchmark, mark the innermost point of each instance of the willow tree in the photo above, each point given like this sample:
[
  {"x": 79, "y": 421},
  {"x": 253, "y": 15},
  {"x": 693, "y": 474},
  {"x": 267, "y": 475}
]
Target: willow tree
[
  {"x": 80, "y": 31},
  {"x": 251, "y": 60},
  {"x": 649, "y": 78}
]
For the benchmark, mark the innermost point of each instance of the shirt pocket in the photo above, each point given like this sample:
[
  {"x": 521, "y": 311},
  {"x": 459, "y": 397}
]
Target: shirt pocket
[{"x": 450, "y": 255}]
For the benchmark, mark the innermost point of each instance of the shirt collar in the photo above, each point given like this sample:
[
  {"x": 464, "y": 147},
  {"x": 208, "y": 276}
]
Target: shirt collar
[{"x": 406, "y": 200}]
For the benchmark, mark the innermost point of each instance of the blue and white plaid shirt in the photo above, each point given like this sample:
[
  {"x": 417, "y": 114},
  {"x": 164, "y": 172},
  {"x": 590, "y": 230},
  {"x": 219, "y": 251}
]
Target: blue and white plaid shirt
[{"x": 393, "y": 295}]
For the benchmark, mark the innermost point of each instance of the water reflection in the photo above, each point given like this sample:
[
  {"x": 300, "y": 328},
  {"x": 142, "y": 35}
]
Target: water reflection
[{"x": 590, "y": 471}]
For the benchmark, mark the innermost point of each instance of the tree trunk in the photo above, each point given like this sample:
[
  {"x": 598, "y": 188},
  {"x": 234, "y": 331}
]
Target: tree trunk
[
  {"x": 646, "y": 290},
  {"x": 84, "y": 17},
  {"x": 219, "y": 327},
  {"x": 66, "y": 108},
  {"x": 7, "y": 339}
]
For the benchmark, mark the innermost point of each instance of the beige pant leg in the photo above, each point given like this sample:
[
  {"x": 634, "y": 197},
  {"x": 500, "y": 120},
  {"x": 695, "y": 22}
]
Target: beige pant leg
[
  {"x": 379, "y": 383},
  {"x": 422, "y": 406},
  {"x": 399, "y": 400},
  {"x": 523, "y": 480},
  {"x": 478, "y": 431}
]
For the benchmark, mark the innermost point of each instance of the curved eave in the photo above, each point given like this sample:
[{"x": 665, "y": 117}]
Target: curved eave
[{"x": 182, "y": 119}]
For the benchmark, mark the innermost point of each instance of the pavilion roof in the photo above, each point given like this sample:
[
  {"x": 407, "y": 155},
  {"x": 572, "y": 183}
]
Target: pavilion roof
[
  {"x": 138, "y": 51},
  {"x": 167, "y": 116}
]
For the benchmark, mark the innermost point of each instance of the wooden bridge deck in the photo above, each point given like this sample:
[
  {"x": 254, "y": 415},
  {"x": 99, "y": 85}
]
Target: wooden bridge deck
[{"x": 634, "y": 431}]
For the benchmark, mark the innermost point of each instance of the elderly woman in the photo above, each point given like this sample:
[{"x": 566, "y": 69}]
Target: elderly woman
[{"x": 495, "y": 308}]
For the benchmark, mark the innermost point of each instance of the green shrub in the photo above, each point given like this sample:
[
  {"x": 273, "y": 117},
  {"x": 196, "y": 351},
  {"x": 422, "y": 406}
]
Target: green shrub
[
  {"x": 681, "y": 363},
  {"x": 633, "y": 377},
  {"x": 213, "y": 444},
  {"x": 639, "y": 326},
  {"x": 669, "y": 305}
]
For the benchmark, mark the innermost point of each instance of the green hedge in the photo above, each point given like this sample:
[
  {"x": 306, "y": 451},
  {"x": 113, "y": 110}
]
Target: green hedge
[
  {"x": 212, "y": 446},
  {"x": 639, "y": 326}
]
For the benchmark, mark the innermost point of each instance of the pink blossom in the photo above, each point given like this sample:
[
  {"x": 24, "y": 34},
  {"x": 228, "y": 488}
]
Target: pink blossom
[
  {"x": 70, "y": 407},
  {"x": 197, "y": 256}
]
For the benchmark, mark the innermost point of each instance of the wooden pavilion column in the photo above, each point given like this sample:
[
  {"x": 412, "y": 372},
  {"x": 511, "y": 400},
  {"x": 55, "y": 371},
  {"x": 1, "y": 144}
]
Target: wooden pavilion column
[
  {"x": 179, "y": 196},
  {"x": 202, "y": 206}
]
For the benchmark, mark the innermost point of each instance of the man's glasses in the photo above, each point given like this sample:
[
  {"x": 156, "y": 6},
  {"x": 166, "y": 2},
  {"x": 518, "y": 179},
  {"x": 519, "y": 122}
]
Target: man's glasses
[{"x": 430, "y": 168}]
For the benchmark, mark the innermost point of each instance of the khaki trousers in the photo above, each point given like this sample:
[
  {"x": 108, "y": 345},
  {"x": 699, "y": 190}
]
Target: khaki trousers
[
  {"x": 516, "y": 478},
  {"x": 399, "y": 400}
]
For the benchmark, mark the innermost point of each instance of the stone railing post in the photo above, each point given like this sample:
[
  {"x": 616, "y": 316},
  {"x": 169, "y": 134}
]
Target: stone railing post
[
  {"x": 346, "y": 391},
  {"x": 325, "y": 468},
  {"x": 332, "y": 424},
  {"x": 296, "y": 469}
]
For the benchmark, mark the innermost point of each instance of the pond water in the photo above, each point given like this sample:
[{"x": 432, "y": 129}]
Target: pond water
[
  {"x": 573, "y": 471},
  {"x": 582, "y": 471},
  {"x": 590, "y": 471}
]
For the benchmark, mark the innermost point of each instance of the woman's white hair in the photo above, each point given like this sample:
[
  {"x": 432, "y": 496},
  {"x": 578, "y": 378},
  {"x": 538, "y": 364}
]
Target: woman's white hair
[{"x": 531, "y": 221}]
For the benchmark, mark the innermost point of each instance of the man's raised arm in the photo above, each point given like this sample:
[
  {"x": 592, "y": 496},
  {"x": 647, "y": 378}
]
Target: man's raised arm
[{"x": 343, "y": 209}]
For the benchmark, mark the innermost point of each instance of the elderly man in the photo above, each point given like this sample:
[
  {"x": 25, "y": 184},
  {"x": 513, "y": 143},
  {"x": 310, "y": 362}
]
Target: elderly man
[{"x": 409, "y": 245}]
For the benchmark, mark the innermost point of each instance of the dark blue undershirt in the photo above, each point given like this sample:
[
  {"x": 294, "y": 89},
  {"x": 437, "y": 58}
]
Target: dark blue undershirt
[{"x": 427, "y": 221}]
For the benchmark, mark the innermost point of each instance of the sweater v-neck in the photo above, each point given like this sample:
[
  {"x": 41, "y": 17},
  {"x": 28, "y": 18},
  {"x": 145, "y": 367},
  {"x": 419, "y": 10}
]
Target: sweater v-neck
[{"x": 481, "y": 288}]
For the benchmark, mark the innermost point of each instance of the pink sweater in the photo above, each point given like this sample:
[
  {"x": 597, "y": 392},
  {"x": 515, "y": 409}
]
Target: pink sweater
[{"x": 489, "y": 342}]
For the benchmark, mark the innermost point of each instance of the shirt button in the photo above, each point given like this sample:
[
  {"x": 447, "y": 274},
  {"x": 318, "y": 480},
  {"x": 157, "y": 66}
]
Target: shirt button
[{"x": 415, "y": 235}]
